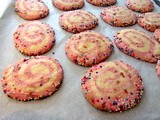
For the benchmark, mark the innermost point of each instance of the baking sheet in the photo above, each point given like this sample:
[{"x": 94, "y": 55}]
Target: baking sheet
[{"x": 68, "y": 103}]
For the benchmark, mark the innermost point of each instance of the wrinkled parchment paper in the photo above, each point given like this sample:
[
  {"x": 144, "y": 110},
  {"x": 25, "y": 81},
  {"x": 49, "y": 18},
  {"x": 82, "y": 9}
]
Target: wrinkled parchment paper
[{"x": 68, "y": 102}]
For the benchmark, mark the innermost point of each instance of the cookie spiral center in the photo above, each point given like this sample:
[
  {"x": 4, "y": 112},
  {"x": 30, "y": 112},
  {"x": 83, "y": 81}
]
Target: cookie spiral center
[
  {"x": 137, "y": 41},
  {"x": 39, "y": 69},
  {"x": 153, "y": 18},
  {"x": 33, "y": 34},
  {"x": 86, "y": 46},
  {"x": 76, "y": 18}
]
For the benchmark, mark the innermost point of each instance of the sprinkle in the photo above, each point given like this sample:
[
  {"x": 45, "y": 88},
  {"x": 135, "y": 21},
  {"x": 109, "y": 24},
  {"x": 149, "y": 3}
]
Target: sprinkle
[{"x": 114, "y": 103}]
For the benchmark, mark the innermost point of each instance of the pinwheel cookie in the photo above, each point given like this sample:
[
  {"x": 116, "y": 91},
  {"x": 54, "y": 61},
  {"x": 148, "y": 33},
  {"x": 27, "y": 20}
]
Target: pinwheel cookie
[
  {"x": 112, "y": 86},
  {"x": 102, "y": 3},
  {"x": 34, "y": 38},
  {"x": 141, "y": 6},
  {"x": 118, "y": 16},
  {"x": 149, "y": 21},
  {"x": 88, "y": 48},
  {"x": 66, "y": 5},
  {"x": 157, "y": 34},
  {"x": 138, "y": 45},
  {"x": 31, "y": 9},
  {"x": 32, "y": 78},
  {"x": 78, "y": 21}
]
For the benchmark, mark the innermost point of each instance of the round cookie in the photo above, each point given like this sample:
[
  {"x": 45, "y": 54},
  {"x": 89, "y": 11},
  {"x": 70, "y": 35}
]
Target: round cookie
[
  {"x": 88, "y": 48},
  {"x": 141, "y": 6},
  {"x": 157, "y": 34},
  {"x": 149, "y": 21},
  {"x": 77, "y": 21},
  {"x": 31, "y": 9},
  {"x": 102, "y": 3},
  {"x": 32, "y": 78},
  {"x": 112, "y": 86},
  {"x": 34, "y": 38},
  {"x": 67, "y": 5},
  {"x": 158, "y": 68},
  {"x": 118, "y": 16},
  {"x": 138, "y": 45}
]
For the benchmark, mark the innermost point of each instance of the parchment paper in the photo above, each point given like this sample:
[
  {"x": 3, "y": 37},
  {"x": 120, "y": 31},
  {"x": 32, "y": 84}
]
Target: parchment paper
[{"x": 68, "y": 103}]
